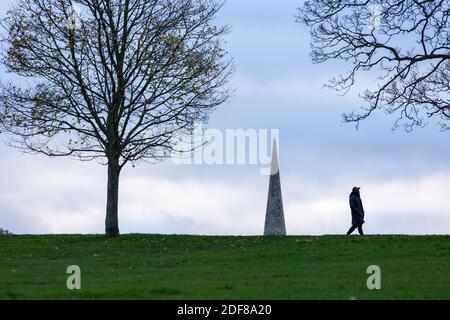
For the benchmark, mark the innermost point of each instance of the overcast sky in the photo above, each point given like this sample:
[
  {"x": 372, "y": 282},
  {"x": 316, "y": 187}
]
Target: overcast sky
[{"x": 404, "y": 176}]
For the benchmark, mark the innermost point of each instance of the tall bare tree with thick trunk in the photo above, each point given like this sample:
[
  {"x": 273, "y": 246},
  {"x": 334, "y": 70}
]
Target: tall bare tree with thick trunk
[
  {"x": 113, "y": 80},
  {"x": 405, "y": 43}
]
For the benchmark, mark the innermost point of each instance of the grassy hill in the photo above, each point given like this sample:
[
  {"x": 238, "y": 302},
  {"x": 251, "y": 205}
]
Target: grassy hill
[{"x": 191, "y": 267}]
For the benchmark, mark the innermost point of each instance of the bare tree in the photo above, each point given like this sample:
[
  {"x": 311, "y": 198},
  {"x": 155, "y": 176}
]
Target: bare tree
[
  {"x": 405, "y": 43},
  {"x": 113, "y": 80}
]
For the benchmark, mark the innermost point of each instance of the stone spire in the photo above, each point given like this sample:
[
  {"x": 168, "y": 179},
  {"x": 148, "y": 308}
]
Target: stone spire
[{"x": 275, "y": 225}]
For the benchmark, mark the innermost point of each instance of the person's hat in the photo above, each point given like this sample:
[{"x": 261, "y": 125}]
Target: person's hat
[{"x": 356, "y": 188}]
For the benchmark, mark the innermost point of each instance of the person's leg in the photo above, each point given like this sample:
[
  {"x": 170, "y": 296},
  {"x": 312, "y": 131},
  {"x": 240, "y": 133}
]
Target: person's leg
[
  {"x": 360, "y": 230},
  {"x": 350, "y": 231}
]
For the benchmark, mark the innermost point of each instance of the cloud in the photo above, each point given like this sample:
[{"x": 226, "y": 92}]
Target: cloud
[
  {"x": 404, "y": 176},
  {"x": 64, "y": 196},
  {"x": 291, "y": 89},
  {"x": 391, "y": 205}
]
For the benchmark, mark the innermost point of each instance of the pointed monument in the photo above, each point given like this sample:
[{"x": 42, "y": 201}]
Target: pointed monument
[{"x": 275, "y": 225}]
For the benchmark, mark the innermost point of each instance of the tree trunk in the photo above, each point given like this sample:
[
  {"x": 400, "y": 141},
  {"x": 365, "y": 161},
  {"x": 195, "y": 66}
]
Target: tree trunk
[{"x": 112, "y": 201}]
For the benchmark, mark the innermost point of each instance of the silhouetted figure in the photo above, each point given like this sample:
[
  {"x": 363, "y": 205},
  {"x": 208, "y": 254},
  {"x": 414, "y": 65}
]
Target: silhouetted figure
[{"x": 357, "y": 211}]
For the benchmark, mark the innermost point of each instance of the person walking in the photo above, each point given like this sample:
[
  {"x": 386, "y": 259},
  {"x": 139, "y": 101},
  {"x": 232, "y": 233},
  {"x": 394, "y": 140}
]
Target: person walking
[{"x": 357, "y": 209}]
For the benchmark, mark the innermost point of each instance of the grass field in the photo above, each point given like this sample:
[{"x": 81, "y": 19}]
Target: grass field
[{"x": 190, "y": 267}]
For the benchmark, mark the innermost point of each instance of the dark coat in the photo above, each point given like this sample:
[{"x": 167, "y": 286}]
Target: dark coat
[{"x": 357, "y": 209}]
